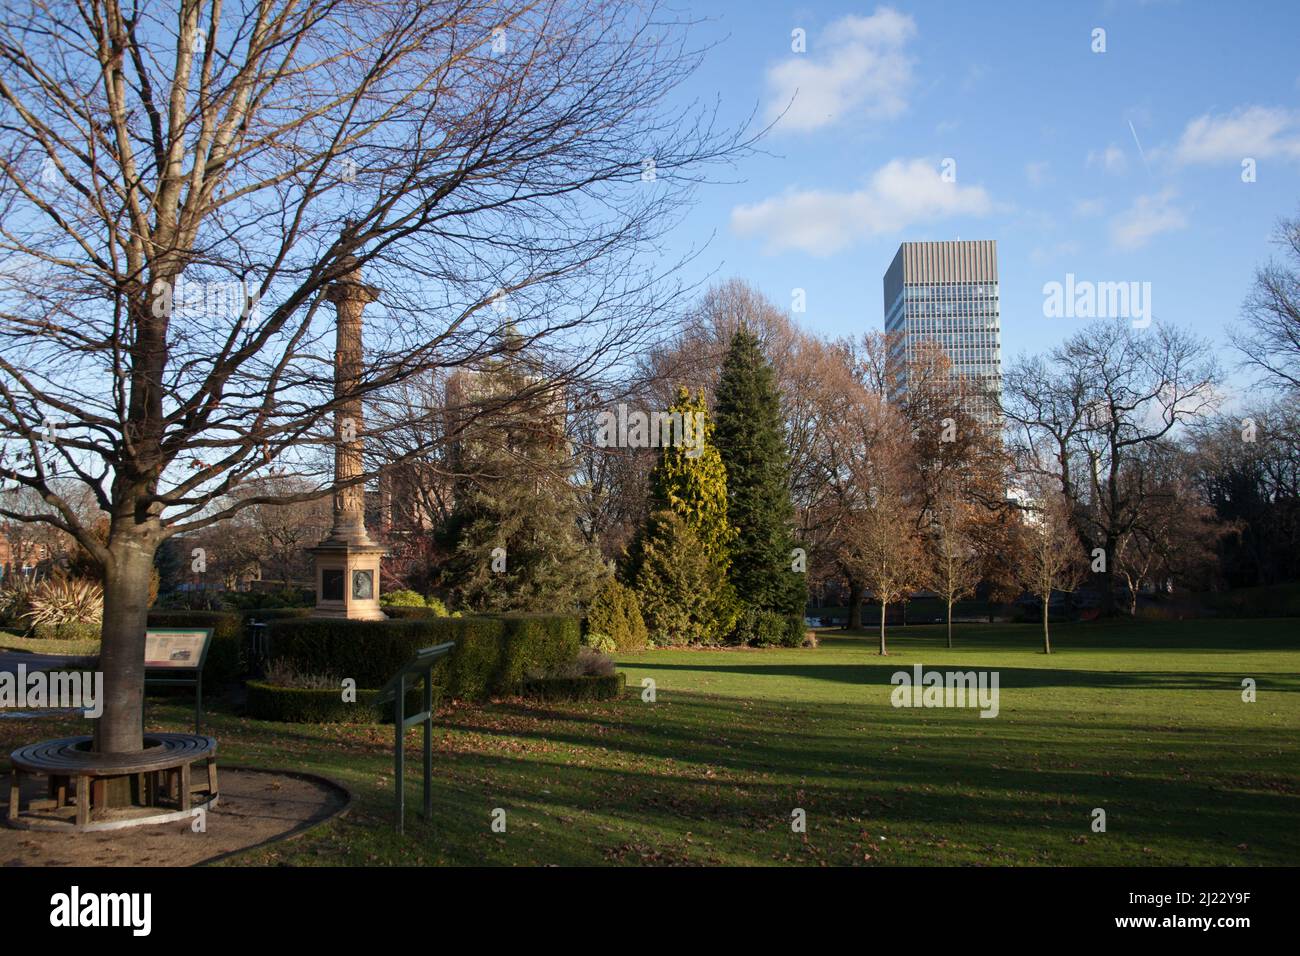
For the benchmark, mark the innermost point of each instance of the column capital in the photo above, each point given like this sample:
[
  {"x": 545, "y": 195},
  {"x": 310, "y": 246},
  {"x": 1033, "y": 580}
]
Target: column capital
[{"x": 351, "y": 290}]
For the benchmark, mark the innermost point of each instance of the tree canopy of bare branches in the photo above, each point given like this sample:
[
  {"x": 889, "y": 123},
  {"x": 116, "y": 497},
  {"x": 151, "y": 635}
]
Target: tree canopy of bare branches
[
  {"x": 183, "y": 181},
  {"x": 1086, "y": 416}
]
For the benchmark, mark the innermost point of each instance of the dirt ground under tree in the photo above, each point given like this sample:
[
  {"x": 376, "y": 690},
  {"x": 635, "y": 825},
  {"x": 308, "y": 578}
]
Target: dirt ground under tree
[{"x": 255, "y": 807}]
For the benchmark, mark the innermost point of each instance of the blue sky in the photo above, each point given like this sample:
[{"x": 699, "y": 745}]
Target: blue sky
[{"x": 1045, "y": 137}]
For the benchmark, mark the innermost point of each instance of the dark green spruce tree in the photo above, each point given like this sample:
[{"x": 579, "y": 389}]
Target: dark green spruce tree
[{"x": 750, "y": 437}]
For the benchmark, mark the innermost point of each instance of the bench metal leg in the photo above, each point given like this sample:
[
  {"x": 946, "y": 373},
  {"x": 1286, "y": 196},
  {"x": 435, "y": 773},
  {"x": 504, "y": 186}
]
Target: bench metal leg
[
  {"x": 212, "y": 777},
  {"x": 14, "y": 786},
  {"x": 185, "y": 786},
  {"x": 83, "y": 801}
]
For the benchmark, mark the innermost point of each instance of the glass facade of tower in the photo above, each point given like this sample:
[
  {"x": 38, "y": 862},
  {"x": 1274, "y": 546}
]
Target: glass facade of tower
[{"x": 946, "y": 294}]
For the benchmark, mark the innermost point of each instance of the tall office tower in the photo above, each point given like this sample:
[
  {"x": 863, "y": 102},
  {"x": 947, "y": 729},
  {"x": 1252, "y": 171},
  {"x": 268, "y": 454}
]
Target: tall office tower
[{"x": 946, "y": 293}]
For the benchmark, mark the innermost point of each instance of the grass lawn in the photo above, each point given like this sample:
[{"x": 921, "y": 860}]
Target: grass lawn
[
  {"x": 1143, "y": 720},
  {"x": 13, "y": 641}
]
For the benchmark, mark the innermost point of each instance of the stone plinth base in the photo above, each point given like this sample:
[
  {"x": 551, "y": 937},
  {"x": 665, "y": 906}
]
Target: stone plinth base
[{"x": 347, "y": 581}]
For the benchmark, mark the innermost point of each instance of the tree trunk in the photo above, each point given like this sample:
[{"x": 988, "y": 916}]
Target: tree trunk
[
  {"x": 950, "y": 622},
  {"x": 883, "y": 651},
  {"x": 1047, "y": 640},
  {"x": 1106, "y": 584},
  {"x": 120, "y": 728},
  {"x": 855, "y": 604}
]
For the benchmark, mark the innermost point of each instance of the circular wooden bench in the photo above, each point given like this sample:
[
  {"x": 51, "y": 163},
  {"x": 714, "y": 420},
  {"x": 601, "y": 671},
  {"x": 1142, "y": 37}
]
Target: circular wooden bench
[{"x": 162, "y": 770}]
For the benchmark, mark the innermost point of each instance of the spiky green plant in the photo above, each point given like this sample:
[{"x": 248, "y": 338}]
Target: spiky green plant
[
  {"x": 16, "y": 597},
  {"x": 66, "y": 607}
]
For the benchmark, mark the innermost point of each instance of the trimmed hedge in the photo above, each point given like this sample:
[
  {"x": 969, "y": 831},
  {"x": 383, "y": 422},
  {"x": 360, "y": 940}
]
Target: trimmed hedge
[
  {"x": 297, "y": 705},
  {"x": 491, "y": 655},
  {"x": 585, "y": 688},
  {"x": 411, "y": 611},
  {"x": 268, "y": 614}
]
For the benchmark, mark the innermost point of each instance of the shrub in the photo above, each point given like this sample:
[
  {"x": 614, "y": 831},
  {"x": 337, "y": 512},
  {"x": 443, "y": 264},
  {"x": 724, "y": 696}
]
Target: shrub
[
  {"x": 769, "y": 629},
  {"x": 615, "y": 612},
  {"x": 401, "y": 599},
  {"x": 588, "y": 663},
  {"x": 795, "y": 631},
  {"x": 16, "y": 598},
  {"x": 592, "y": 663},
  {"x": 601, "y": 642},
  {"x": 491, "y": 654},
  {"x": 428, "y": 607},
  {"x": 584, "y": 688},
  {"x": 759, "y": 628},
  {"x": 283, "y": 674},
  {"x": 67, "y": 608}
]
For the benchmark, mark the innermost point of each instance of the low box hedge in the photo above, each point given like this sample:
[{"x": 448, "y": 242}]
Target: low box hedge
[
  {"x": 491, "y": 654},
  {"x": 268, "y": 614},
  {"x": 298, "y": 705},
  {"x": 585, "y": 688}
]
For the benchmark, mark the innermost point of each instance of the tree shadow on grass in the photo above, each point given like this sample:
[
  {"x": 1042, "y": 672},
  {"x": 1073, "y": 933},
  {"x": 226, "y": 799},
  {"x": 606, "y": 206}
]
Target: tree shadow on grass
[{"x": 677, "y": 783}]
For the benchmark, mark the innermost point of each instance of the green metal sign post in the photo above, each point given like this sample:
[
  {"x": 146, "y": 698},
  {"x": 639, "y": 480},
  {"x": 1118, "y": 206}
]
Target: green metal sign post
[
  {"x": 420, "y": 667},
  {"x": 174, "y": 656}
]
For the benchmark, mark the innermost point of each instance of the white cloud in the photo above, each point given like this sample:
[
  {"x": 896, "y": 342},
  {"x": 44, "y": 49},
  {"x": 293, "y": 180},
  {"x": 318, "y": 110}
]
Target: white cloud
[
  {"x": 1037, "y": 173},
  {"x": 1087, "y": 208},
  {"x": 1111, "y": 159},
  {"x": 858, "y": 65},
  {"x": 1148, "y": 217},
  {"x": 1260, "y": 132},
  {"x": 900, "y": 194},
  {"x": 1054, "y": 251}
]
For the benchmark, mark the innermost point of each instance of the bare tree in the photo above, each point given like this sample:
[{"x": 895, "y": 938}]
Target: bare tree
[
  {"x": 1048, "y": 553},
  {"x": 834, "y": 407},
  {"x": 1084, "y": 416},
  {"x": 183, "y": 182},
  {"x": 955, "y": 565},
  {"x": 1270, "y": 341},
  {"x": 874, "y": 536},
  {"x": 1173, "y": 539}
]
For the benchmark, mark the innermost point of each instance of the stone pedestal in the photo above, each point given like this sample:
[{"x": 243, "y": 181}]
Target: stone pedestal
[{"x": 347, "y": 580}]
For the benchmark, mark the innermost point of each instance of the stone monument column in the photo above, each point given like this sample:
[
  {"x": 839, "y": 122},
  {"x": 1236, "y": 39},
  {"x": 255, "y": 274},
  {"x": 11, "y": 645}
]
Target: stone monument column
[{"x": 347, "y": 560}]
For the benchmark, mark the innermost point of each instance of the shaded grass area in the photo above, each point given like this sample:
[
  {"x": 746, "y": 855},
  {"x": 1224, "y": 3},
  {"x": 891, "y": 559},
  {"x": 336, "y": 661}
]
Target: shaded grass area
[{"x": 1143, "y": 720}]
